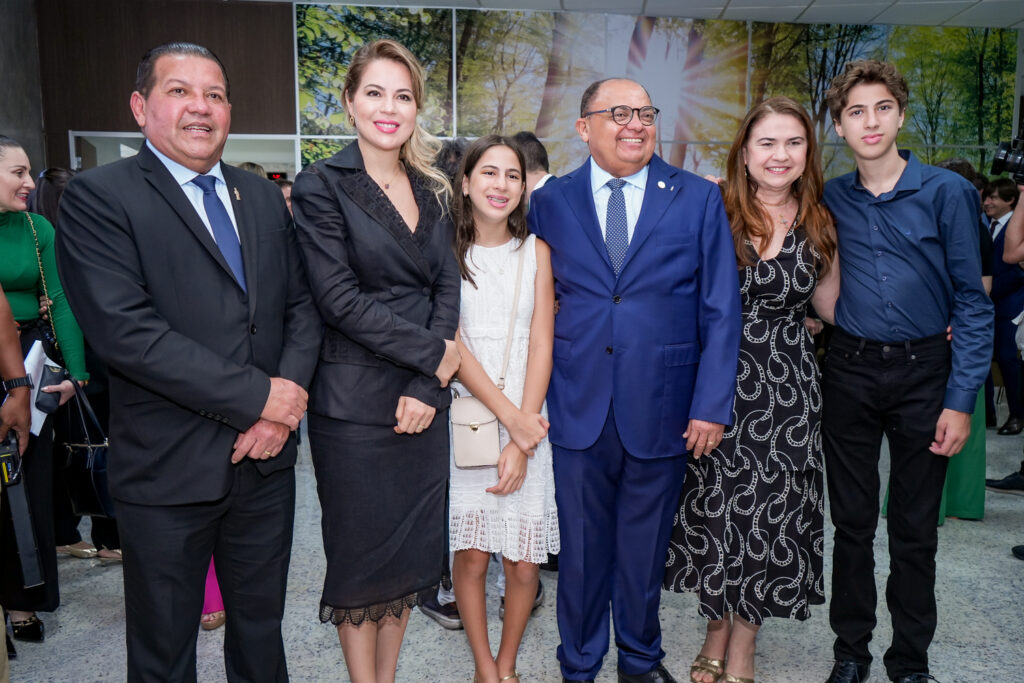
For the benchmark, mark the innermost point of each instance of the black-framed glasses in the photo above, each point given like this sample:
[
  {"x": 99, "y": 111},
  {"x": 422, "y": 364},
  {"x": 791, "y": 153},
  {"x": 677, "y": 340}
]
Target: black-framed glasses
[{"x": 623, "y": 114}]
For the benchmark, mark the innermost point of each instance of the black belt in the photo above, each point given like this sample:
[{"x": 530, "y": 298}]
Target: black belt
[{"x": 904, "y": 348}]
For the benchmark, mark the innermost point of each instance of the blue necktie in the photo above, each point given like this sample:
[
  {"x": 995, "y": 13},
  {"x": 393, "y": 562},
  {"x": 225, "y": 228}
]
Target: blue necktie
[
  {"x": 223, "y": 230},
  {"x": 616, "y": 235}
]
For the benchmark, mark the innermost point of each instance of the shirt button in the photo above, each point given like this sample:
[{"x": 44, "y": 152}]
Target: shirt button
[
  {"x": 878, "y": 253},
  {"x": 607, "y": 349},
  {"x": 884, "y": 278},
  {"x": 874, "y": 227},
  {"x": 252, "y": 329},
  {"x": 889, "y": 304},
  {"x": 617, "y": 299},
  {"x": 886, "y": 349}
]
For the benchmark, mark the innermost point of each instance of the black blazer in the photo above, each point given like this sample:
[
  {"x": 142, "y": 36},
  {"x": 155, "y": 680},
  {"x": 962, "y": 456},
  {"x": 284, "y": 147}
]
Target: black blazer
[
  {"x": 388, "y": 297},
  {"x": 190, "y": 353}
]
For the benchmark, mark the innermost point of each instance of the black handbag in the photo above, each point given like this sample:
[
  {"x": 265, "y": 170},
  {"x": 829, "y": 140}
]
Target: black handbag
[
  {"x": 53, "y": 375},
  {"x": 86, "y": 466}
]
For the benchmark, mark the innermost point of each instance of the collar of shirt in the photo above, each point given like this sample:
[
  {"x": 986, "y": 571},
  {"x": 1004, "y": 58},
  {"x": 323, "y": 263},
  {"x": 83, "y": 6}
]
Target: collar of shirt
[
  {"x": 632, "y": 191},
  {"x": 1000, "y": 223},
  {"x": 183, "y": 176},
  {"x": 909, "y": 180}
]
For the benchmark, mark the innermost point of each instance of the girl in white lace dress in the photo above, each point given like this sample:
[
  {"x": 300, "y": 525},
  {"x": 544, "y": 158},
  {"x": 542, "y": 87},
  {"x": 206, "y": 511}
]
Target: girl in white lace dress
[{"x": 509, "y": 508}]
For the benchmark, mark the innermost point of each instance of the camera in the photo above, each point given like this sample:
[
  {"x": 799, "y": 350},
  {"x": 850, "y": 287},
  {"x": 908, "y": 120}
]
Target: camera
[{"x": 1009, "y": 158}]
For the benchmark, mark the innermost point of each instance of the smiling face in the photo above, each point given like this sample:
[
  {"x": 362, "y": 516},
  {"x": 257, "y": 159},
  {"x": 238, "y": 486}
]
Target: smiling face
[
  {"x": 620, "y": 150},
  {"x": 383, "y": 105},
  {"x": 495, "y": 186},
  {"x": 870, "y": 121},
  {"x": 186, "y": 114},
  {"x": 776, "y": 152},
  {"x": 995, "y": 206},
  {"x": 15, "y": 179}
]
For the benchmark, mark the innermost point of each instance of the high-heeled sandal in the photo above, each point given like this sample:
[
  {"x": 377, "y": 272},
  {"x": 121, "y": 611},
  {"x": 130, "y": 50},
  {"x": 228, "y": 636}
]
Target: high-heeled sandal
[
  {"x": 30, "y": 629},
  {"x": 215, "y": 621},
  {"x": 514, "y": 674},
  {"x": 729, "y": 678},
  {"x": 706, "y": 665}
]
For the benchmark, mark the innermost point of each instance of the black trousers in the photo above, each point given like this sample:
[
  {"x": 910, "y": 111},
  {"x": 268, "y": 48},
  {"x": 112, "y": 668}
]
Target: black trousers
[
  {"x": 167, "y": 553},
  {"x": 869, "y": 389}
]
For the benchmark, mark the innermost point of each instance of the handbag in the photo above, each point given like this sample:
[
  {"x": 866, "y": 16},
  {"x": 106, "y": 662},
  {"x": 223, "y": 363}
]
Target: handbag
[
  {"x": 47, "y": 335},
  {"x": 475, "y": 439},
  {"x": 86, "y": 466},
  {"x": 49, "y": 401}
]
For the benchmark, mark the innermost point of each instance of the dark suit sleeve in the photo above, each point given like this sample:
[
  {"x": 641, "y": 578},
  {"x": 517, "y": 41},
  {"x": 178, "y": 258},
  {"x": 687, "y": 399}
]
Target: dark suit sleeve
[
  {"x": 98, "y": 260},
  {"x": 719, "y": 316},
  {"x": 444, "y": 319},
  {"x": 322, "y": 228},
  {"x": 303, "y": 330}
]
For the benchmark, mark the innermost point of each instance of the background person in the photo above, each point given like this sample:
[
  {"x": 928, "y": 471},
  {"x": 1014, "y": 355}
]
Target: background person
[
  {"x": 377, "y": 239},
  {"x": 26, "y": 242}
]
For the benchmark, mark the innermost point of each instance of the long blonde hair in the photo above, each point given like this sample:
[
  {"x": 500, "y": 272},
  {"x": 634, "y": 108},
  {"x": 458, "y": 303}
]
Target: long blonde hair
[
  {"x": 420, "y": 150},
  {"x": 746, "y": 217}
]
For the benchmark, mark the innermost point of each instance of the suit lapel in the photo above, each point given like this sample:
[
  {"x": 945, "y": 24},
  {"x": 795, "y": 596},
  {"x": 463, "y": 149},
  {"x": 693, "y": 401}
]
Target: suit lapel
[
  {"x": 361, "y": 189},
  {"x": 163, "y": 182},
  {"x": 246, "y": 220},
  {"x": 580, "y": 197},
  {"x": 662, "y": 186}
]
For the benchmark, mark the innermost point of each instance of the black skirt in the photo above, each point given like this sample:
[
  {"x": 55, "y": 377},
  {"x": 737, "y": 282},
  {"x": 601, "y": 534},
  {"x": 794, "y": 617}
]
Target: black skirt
[{"x": 383, "y": 498}]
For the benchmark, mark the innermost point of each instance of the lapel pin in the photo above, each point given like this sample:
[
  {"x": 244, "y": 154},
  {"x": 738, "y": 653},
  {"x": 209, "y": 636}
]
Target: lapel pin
[
  {"x": 238, "y": 197},
  {"x": 661, "y": 184},
  {"x": 672, "y": 189}
]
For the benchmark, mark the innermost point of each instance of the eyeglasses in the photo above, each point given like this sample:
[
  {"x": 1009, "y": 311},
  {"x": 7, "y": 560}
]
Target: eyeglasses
[{"x": 623, "y": 114}]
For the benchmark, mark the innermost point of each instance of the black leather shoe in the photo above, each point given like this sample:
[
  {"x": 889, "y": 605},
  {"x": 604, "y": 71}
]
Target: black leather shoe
[
  {"x": 915, "y": 678},
  {"x": 11, "y": 652},
  {"x": 1011, "y": 483},
  {"x": 31, "y": 629},
  {"x": 1018, "y": 551},
  {"x": 848, "y": 671},
  {"x": 1012, "y": 426},
  {"x": 658, "y": 674},
  {"x": 582, "y": 680}
]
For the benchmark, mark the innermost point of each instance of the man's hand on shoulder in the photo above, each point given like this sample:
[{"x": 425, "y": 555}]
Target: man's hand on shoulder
[
  {"x": 263, "y": 440},
  {"x": 702, "y": 437},
  {"x": 951, "y": 432},
  {"x": 286, "y": 403}
]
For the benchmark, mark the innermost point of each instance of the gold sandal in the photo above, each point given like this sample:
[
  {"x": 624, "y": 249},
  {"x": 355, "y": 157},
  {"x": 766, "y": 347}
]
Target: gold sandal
[
  {"x": 729, "y": 678},
  {"x": 514, "y": 674},
  {"x": 705, "y": 665}
]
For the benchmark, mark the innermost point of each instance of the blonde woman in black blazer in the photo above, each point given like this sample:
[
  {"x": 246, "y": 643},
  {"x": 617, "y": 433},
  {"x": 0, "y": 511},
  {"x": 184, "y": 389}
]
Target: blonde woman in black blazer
[{"x": 378, "y": 246}]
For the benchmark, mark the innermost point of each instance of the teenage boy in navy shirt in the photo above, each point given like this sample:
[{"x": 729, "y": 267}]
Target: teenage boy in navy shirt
[{"x": 910, "y": 266}]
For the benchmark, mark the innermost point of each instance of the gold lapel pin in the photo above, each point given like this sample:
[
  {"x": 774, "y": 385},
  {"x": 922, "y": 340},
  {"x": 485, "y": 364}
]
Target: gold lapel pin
[{"x": 238, "y": 197}]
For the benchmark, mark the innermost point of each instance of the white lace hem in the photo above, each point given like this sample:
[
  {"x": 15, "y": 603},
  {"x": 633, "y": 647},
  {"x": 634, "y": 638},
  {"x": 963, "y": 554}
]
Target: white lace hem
[{"x": 516, "y": 537}]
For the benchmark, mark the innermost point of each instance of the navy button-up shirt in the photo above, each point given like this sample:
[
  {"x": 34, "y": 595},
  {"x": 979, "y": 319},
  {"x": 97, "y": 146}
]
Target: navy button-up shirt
[{"x": 910, "y": 265}]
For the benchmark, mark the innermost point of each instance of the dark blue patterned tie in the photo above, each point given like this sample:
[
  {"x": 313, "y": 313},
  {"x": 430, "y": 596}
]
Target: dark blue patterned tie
[
  {"x": 223, "y": 230},
  {"x": 616, "y": 235}
]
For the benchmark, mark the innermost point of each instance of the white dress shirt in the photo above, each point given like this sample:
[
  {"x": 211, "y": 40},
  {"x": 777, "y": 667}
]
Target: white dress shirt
[
  {"x": 632, "y": 191},
  {"x": 183, "y": 176}
]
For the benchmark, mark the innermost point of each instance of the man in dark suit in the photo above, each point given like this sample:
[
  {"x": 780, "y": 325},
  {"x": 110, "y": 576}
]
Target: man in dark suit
[
  {"x": 646, "y": 345},
  {"x": 185, "y": 276}
]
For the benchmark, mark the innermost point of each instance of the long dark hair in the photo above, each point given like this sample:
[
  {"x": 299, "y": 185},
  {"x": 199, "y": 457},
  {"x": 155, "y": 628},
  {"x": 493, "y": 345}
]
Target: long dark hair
[
  {"x": 50, "y": 185},
  {"x": 462, "y": 207},
  {"x": 748, "y": 219}
]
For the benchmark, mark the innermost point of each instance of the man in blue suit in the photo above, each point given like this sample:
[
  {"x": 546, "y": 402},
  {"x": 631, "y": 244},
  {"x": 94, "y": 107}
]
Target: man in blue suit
[{"x": 646, "y": 344}]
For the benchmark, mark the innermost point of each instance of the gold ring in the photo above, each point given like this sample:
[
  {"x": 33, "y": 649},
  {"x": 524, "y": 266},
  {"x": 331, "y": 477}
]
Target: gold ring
[{"x": 267, "y": 453}]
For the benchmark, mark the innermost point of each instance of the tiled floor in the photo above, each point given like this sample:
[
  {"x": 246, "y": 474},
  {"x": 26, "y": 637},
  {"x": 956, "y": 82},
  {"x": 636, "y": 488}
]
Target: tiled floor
[{"x": 980, "y": 635}]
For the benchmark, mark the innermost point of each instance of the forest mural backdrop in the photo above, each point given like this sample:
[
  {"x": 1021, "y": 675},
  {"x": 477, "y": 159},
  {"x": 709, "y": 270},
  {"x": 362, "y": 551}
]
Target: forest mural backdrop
[{"x": 505, "y": 71}]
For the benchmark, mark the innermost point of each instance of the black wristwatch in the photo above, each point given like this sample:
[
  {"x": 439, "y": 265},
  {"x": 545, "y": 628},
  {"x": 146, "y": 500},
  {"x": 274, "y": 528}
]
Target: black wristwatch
[{"x": 16, "y": 382}]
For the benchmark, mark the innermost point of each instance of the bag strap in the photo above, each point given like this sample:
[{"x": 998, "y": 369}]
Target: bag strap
[
  {"x": 42, "y": 278},
  {"x": 85, "y": 408},
  {"x": 512, "y": 318}
]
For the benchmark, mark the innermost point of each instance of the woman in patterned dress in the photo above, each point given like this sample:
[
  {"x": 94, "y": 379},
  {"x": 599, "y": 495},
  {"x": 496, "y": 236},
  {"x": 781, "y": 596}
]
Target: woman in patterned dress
[{"x": 748, "y": 537}]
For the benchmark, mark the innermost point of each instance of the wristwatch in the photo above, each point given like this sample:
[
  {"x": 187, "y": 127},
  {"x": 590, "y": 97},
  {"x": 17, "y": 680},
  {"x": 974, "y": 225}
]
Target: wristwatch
[{"x": 16, "y": 382}]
